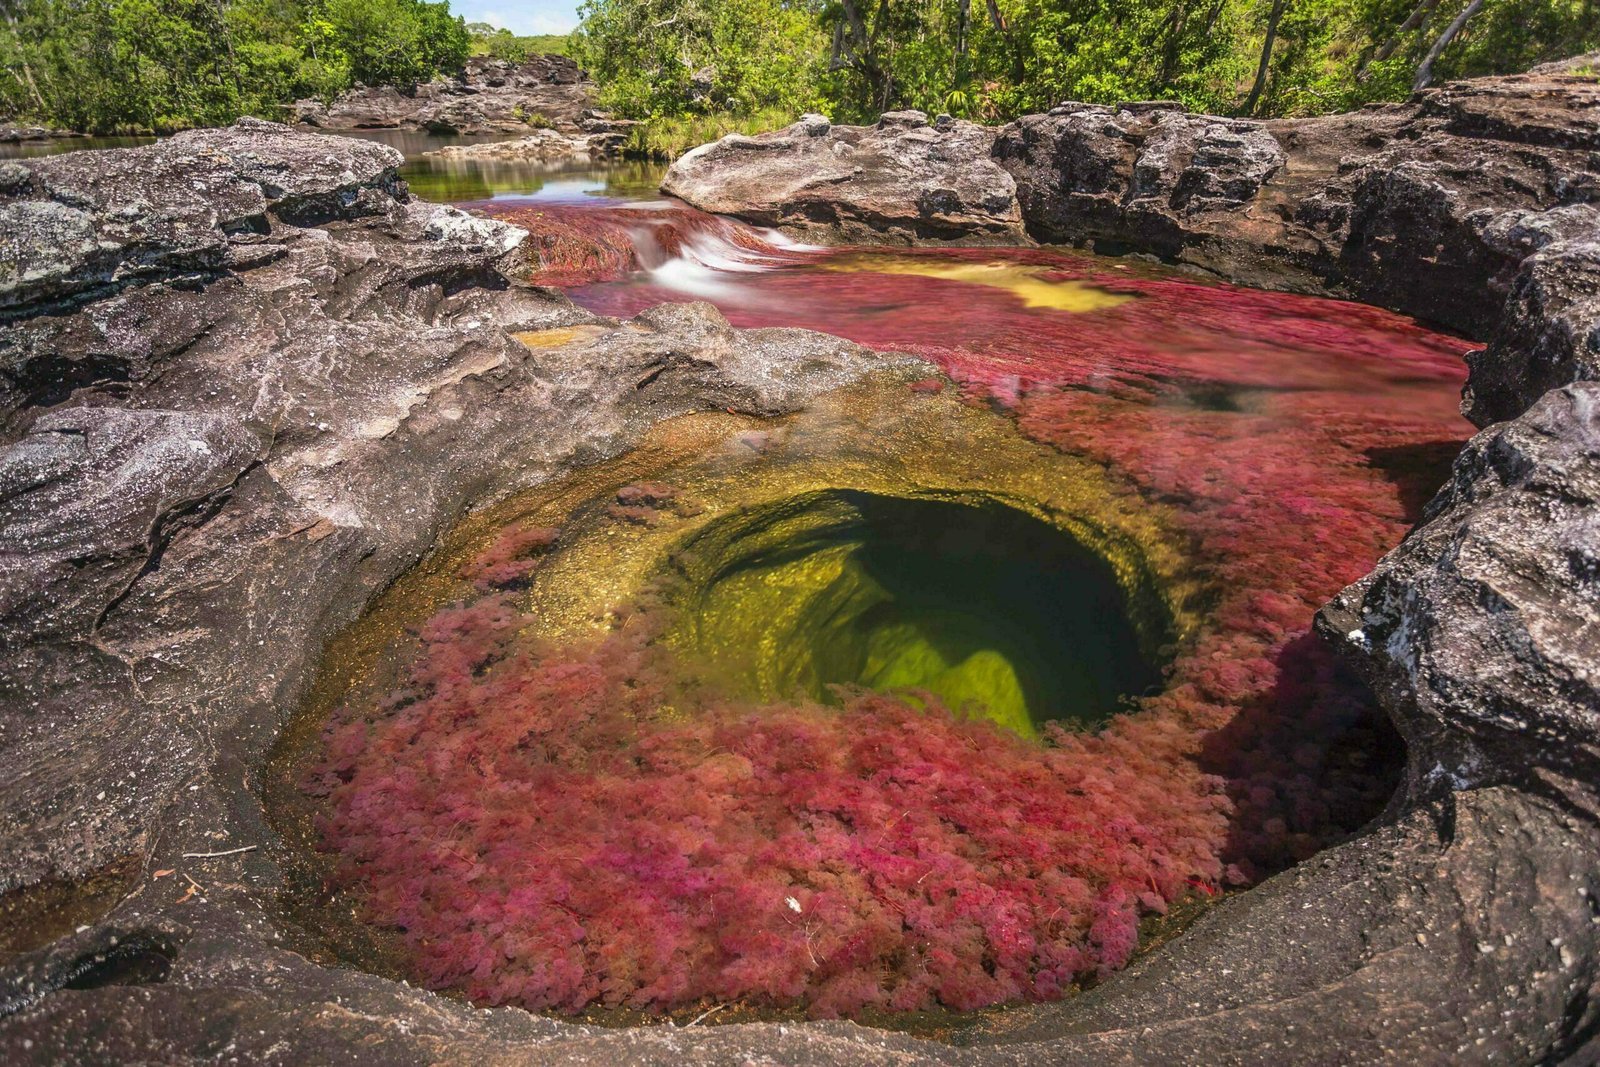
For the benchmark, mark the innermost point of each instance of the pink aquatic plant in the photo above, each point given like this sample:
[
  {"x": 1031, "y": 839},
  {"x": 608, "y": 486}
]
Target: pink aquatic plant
[
  {"x": 562, "y": 827},
  {"x": 515, "y": 553},
  {"x": 548, "y": 831}
]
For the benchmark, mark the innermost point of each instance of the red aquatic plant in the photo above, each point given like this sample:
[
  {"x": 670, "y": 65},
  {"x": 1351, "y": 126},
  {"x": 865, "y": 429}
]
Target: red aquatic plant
[
  {"x": 513, "y": 555},
  {"x": 548, "y": 831},
  {"x": 560, "y": 827}
]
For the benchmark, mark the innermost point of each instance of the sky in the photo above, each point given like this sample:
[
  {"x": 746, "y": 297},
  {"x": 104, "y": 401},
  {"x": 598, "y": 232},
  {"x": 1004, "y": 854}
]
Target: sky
[{"x": 521, "y": 16}]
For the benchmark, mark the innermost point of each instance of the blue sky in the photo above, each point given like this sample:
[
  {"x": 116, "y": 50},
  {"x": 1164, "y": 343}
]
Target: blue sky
[{"x": 521, "y": 16}]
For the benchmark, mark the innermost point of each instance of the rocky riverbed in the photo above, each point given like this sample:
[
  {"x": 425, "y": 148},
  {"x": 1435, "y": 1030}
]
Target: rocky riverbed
[
  {"x": 489, "y": 96},
  {"x": 246, "y": 381}
]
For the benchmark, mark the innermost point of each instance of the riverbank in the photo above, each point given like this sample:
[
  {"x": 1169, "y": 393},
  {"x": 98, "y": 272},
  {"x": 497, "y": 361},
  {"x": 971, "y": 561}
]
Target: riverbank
[{"x": 250, "y": 380}]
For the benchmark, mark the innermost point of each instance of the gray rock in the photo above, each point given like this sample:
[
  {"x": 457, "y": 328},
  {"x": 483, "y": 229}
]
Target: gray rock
[
  {"x": 1481, "y": 629},
  {"x": 899, "y": 181},
  {"x": 95, "y": 493},
  {"x": 1549, "y": 331},
  {"x": 87, "y": 221},
  {"x": 488, "y": 96},
  {"x": 539, "y": 146}
]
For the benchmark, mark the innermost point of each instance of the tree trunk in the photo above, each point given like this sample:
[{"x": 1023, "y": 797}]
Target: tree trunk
[
  {"x": 1266, "y": 56},
  {"x": 1425, "y": 72},
  {"x": 1177, "y": 22},
  {"x": 1412, "y": 22}
]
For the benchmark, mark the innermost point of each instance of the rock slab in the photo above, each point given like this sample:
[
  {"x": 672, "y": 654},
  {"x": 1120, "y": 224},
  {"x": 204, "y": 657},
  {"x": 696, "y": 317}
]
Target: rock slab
[
  {"x": 899, "y": 181},
  {"x": 489, "y": 96}
]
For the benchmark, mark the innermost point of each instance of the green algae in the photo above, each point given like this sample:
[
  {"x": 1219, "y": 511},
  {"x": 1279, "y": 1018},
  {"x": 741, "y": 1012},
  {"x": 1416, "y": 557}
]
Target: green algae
[
  {"x": 887, "y": 539},
  {"x": 957, "y": 594}
]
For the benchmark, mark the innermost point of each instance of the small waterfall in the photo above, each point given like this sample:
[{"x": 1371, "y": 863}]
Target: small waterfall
[{"x": 702, "y": 256}]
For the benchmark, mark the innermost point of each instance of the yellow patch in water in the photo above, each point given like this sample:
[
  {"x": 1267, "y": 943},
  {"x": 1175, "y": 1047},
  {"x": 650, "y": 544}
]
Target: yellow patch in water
[{"x": 1032, "y": 285}]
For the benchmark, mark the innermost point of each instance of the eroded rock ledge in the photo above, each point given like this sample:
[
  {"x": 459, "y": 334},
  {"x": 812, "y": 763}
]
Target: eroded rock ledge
[{"x": 230, "y": 418}]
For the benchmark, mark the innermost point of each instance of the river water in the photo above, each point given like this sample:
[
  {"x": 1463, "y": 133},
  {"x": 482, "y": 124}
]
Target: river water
[
  {"x": 1295, "y": 437},
  {"x": 562, "y": 825}
]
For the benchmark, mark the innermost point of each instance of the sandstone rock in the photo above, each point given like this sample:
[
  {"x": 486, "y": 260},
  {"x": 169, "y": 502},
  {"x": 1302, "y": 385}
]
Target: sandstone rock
[
  {"x": 537, "y": 147},
  {"x": 99, "y": 491},
  {"x": 1389, "y": 205},
  {"x": 1549, "y": 332},
  {"x": 86, "y": 221},
  {"x": 489, "y": 96},
  {"x": 898, "y": 181},
  {"x": 1144, "y": 179},
  {"x": 1481, "y": 629}
]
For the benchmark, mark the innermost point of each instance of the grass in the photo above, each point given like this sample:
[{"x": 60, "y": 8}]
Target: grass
[
  {"x": 507, "y": 46},
  {"x": 669, "y": 137}
]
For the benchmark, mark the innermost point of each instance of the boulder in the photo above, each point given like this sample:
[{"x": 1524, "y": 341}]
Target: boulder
[
  {"x": 1481, "y": 629},
  {"x": 1549, "y": 330},
  {"x": 1391, "y": 205},
  {"x": 899, "y": 181},
  {"x": 489, "y": 96},
  {"x": 82, "y": 222}
]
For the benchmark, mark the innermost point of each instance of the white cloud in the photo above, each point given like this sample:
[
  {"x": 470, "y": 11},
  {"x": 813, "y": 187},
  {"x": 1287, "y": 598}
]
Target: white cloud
[{"x": 528, "y": 17}]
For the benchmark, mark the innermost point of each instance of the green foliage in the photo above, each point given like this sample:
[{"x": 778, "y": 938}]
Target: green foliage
[
  {"x": 656, "y": 58},
  {"x": 486, "y": 40},
  {"x": 668, "y": 137},
  {"x": 995, "y": 59},
  {"x": 107, "y": 66}
]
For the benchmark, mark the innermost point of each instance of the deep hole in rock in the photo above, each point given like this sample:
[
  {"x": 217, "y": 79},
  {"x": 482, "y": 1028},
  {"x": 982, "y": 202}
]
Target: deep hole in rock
[{"x": 963, "y": 595}]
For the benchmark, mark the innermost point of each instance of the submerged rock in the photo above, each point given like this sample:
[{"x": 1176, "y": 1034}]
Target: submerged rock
[
  {"x": 899, "y": 181},
  {"x": 488, "y": 96}
]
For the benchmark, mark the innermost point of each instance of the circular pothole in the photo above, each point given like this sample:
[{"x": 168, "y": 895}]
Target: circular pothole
[
  {"x": 959, "y": 595},
  {"x": 705, "y": 724}
]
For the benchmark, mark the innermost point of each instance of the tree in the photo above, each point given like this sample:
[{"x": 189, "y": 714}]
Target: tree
[
  {"x": 1266, "y": 57},
  {"x": 117, "y": 65},
  {"x": 391, "y": 42},
  {"x": 1425, "y": 71},
  {"x": 672, "y": 57}
]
